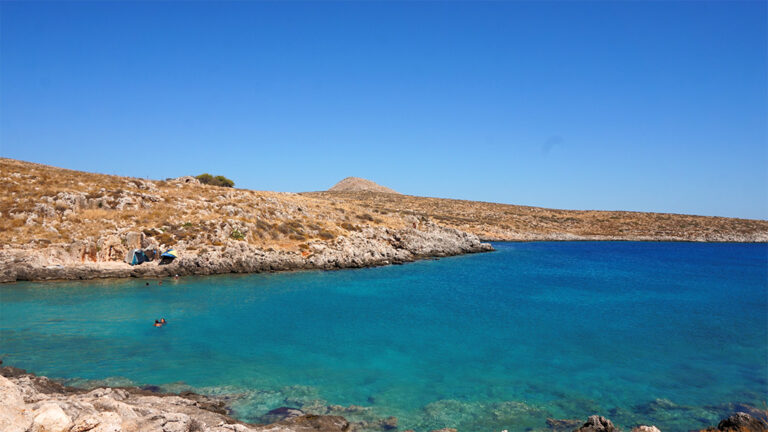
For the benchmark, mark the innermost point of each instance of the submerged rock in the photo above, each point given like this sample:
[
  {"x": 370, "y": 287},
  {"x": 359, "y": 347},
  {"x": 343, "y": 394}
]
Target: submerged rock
[
  {"x": 280, "y": 414},
  {"x": 563, "y": 425}
]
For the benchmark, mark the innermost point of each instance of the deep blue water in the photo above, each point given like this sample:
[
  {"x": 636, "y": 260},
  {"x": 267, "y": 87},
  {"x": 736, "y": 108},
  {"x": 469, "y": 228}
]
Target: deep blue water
[{"x": 662, "y": 333}]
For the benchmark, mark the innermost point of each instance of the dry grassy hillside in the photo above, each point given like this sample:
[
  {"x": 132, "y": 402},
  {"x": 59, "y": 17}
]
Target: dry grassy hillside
[
  {"x": 93, "y": 216},
  {"x": 492, "y": 221},
  {"x": 42, "y": 205}
]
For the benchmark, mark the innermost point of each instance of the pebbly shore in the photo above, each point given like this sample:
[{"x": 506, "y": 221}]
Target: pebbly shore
[{"x": 30, "y": 403}]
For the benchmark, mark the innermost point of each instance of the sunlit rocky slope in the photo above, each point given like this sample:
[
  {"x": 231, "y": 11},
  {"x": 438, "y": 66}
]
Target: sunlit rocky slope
[
  {"x": 63, "y": 224},
  {"x": 504, "y": 222}
]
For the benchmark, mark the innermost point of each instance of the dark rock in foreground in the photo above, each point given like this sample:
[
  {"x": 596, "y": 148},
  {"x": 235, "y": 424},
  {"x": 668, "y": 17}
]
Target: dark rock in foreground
[
  {"x": 740, "y": 422},
  {"x": 597, "y": 424}
]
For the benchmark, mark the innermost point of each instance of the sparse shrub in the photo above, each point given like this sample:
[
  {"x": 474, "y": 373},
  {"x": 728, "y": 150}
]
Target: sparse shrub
[
  {"x": 237, "y": 235},
  {"x": 297, "y": 237},
  {"x": 219, "y": 180},
  {"x": 325, "y": 235},
  {"x": 283, "y": 228},
  {"x": 349, "y": 227},
  {"x": 365, "y": 217}
]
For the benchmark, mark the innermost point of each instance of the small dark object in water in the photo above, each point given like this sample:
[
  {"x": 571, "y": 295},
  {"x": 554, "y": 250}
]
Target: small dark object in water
[
  {"x": 147, "y": 283},
  {"x": 160, "y": 283}
]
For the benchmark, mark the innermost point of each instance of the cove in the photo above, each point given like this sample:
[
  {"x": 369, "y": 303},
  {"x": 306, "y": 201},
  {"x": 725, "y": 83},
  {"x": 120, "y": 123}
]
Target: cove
[{"x": 668, "y": 334}]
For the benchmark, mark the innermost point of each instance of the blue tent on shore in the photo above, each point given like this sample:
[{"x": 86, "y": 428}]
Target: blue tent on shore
[
  {"x": 136, "y": 257},
  {"x": 168, "y": 256}
]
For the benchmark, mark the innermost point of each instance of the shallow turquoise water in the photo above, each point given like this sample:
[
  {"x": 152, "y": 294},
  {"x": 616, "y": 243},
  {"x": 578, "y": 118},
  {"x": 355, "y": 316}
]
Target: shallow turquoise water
[{"x": 663, "y": 333}]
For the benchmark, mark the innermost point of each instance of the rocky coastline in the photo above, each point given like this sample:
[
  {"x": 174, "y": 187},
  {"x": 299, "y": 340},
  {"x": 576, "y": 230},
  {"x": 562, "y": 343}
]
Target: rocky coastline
[
  {"x": 30, "y": 403},
  {"x": 370, "y": 246},
  {"x": 62, "y": 224}
]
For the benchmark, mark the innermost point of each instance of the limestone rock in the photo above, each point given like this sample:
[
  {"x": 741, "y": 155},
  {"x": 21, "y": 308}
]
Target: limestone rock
[
  {"x": 29, "y": 403},
  {"x": 111, "y": 248},
  {"x": 12, "y": 412},
  {"x": 597, "y": 424},
  {"x": 742, "y": 422},
  {"x": 51, "y": 418},
  {"x": 645, "y": 429},
  {"x": 133, "y": 240},
  {"x": 185, "y": 180}
]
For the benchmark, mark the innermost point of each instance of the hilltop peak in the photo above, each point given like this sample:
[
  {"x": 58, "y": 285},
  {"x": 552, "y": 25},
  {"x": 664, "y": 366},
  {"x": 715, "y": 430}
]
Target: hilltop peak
[{"x": 357, "y": 184}]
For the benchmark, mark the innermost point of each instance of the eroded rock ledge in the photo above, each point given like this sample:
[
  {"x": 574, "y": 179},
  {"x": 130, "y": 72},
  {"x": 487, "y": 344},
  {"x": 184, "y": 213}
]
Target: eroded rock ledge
[
  {"x": 371, "y": 246},
  {"x": 29, "y": 403}
]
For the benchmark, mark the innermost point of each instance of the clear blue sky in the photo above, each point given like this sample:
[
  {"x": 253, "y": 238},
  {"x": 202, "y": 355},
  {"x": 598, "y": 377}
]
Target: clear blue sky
[{"x": 650, "y": 106}]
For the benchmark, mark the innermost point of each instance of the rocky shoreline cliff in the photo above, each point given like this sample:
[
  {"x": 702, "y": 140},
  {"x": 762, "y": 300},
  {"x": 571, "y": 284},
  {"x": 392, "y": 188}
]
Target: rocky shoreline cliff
[
  {"x": 371, "y": 246},
  {"x": 30, "y": 403},
  {"x": 62, "y": 224}
]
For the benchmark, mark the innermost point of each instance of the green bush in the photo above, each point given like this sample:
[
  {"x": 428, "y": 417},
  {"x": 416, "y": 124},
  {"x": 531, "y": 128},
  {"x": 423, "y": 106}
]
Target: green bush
[
  {"x": 219, "y": 180},
  {"x": 237, "y": 235}
]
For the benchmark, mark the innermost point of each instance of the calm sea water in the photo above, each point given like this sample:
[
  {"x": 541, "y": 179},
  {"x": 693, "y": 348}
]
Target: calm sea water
[{"x": 662, "y": 333}]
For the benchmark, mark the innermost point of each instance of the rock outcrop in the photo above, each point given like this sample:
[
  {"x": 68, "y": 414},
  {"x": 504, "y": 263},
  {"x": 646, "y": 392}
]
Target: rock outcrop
[
  {"x": 645, "y": 429},
  {"x": 370, "y": 246},
  {"x": 597, "y": 424},
  {"x": 29, "y": 403},
  {"x": 740, "y": 422}
]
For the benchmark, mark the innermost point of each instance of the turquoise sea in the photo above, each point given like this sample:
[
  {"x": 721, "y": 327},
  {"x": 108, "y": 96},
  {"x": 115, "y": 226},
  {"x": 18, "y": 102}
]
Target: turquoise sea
[{"x": 662, "y": 333}]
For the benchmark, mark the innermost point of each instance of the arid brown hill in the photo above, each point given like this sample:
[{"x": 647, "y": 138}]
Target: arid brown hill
[
  {"x": 62, "y": 224},
  {"x": 357, "y": 184},
  {"x": 504, "y": 222}
]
